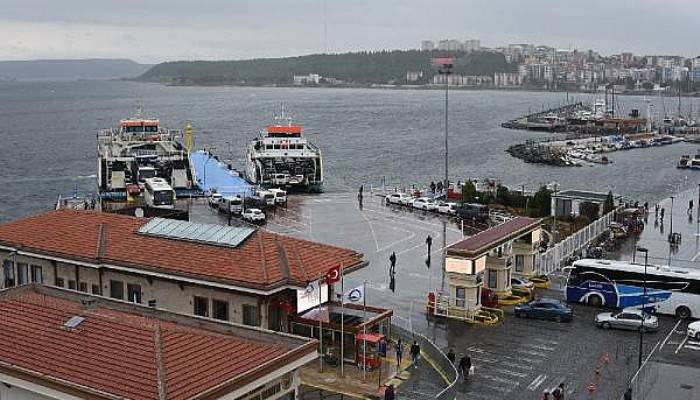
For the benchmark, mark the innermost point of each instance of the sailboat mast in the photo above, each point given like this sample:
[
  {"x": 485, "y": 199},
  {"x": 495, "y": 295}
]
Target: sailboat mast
[{"x": 679, "y": 99}]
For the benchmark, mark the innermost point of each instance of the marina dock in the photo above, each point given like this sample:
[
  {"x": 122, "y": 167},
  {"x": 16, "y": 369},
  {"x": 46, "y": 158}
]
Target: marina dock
[{"x": 214, "y": 175}]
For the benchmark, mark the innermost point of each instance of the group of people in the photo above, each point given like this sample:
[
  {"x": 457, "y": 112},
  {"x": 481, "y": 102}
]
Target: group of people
[{"x": 464, "y": 366}]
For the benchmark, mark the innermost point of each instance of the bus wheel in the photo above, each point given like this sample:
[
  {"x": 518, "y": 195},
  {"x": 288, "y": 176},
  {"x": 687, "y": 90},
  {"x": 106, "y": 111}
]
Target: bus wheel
[
  {"x": 594, "y": 300},
  {"x": 683, "y": 312}
]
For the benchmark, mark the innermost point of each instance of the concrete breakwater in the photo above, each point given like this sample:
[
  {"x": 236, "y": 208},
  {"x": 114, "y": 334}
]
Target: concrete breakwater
[{"x": 582, "y": 151}]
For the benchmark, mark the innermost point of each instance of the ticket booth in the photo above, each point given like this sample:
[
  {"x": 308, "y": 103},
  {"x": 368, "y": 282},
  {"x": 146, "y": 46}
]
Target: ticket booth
[{"x": 485, "y": 260}]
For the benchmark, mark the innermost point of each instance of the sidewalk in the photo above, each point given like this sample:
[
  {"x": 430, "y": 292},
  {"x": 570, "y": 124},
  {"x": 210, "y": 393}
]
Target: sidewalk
[{"x": 420, "y": 381}]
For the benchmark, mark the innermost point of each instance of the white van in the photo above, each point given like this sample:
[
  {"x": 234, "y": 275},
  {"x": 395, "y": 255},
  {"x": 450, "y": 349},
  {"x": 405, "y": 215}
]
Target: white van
[
  {"x": 280, "y": 195},
  {"x": 267, "y": 196},
  {"x": 232, "y": 204}
]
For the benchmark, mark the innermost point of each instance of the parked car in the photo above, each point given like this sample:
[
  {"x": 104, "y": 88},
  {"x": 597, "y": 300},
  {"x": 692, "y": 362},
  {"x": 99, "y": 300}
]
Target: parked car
[
  {"x": 522, "y": 285},
  {"x": 694, "y": 330},
  {"x": 215, "y": 199},
  {"x": 398, "y": 198},
  {"x": 254, "y": 215},
  {"x": 424, "y": 203},
  {"x": 545, "y": 308},
  {"x": 627, "y": 319},
  {"x": 280, "y": 195},
  {"x": 475, "y": 212},
  {"x": 446, "y": 208}
]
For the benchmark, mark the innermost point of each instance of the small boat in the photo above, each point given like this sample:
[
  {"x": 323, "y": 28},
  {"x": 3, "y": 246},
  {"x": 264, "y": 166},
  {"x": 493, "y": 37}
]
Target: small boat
[{"x": 689, "y": 162}]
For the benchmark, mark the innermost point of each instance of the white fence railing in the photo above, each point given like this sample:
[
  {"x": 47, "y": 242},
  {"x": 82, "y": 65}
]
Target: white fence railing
[{"x": 551, "y": 260}]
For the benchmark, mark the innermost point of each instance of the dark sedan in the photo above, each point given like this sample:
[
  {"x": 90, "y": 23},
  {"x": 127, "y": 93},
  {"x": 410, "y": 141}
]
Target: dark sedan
[{"x": 550, "y": 309}]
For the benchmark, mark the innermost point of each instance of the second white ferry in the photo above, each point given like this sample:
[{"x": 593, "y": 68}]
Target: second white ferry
[{"x": 281, "y": 157}]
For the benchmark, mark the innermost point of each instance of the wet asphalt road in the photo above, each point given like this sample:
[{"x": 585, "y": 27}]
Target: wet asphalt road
[{"x": 514, "y": 359}]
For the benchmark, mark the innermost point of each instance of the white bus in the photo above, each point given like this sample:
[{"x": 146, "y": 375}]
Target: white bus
[
  {"x": 620, "y": 284},
  {"x": 158, "y": 194}
]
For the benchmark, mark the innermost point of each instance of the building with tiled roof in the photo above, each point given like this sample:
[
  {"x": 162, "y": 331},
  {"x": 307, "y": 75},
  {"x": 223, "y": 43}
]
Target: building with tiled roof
[
  {"x": 66, "y": 345},
  {"x": 235, "y": 274},
  {"x": 489, "y": 261}
]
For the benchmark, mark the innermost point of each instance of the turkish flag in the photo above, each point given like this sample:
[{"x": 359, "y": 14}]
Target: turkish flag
[{"x": 333, "y": 275}]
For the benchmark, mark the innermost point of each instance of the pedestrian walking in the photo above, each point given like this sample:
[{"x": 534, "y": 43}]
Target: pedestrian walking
[
  {"x": 451, "y": 356},
  {"x": 690, "y": 207},
  {"x": 439, "y": 187},
  {"x": 415, "y": 352},
  {"x": 389, "y": 393},
  {"x": 465, "y": 365},
  {"x": 429, "y": 243},
  {"x": 392, "y": 263},
  {"x": 628, "y": 393},
  {"x": 399, "y": 353},
  {"x": 432, "y": 187},
  {"x": 663, "y": 211},
  {"x": 558, "y": 393}
]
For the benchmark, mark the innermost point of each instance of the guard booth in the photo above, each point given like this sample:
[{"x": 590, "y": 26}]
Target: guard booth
[{"x": 485, "y": 260}]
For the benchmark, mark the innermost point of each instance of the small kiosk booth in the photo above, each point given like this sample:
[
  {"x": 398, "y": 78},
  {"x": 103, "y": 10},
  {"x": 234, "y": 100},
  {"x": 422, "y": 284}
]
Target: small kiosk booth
[
  {"x": 486, "y": 259},
  {"x": 364, "y": 331}
]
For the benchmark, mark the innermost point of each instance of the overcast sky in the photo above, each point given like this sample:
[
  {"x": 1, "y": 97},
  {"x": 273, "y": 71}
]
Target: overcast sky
[{"x": 162, "y": 30}]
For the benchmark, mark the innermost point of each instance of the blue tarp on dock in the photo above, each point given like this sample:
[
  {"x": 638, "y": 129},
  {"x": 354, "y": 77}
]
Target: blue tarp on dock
[{"x": 213, "y": 174}]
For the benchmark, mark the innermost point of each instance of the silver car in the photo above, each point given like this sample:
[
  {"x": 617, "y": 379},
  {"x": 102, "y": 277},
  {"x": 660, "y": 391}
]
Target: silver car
[{"x": 627, "y": 319}]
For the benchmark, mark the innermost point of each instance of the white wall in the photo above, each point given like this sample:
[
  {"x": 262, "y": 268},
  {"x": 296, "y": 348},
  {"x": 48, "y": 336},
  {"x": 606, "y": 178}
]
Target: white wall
[{"x": 15, "y": 393}]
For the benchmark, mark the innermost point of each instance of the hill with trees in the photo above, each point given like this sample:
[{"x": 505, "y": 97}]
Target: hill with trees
[
  {"x": 44, "y": 70},
  {"x": 361, "y": 68}
]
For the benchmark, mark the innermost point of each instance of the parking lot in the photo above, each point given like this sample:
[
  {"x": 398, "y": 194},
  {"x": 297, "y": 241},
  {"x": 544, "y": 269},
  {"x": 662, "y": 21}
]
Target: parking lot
[{"x": 514, "y": 359}]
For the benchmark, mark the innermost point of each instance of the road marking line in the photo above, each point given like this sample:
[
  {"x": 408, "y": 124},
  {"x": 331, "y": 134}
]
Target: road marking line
[
  {"x": 499, "y": 380},
  {"x": 537, "y": 382},
  {"x": 695, "y": 257},
  {"x": 680, "y": 346},
  {"x": 669, "y": 335}
]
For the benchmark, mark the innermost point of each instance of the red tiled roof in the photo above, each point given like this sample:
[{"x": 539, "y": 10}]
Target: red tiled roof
[
  {"x": 117, "y": 352},
  {"x": 265, "y": 260},
  {"x": 494, "y": 236}
]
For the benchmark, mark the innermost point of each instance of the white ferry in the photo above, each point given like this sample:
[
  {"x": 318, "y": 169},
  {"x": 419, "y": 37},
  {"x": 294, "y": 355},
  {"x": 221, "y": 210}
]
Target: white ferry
[
  {"x": 139, "y": 149},
  {"x": 281, "y": 157},
  {"x": 690, "y": 162}
]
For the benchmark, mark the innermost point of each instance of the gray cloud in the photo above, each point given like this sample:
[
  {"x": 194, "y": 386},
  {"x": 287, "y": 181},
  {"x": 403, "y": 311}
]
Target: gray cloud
[{"x": 157, "y": 30}]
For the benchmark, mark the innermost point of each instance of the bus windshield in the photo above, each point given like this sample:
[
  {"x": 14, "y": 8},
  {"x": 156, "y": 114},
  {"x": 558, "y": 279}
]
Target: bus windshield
[{"x": 162, "y": 198}]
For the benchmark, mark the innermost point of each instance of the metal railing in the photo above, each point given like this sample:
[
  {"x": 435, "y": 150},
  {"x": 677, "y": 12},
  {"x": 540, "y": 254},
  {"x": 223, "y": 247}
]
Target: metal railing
[
  {"x": 437, "y": 358},
  {"x": 552, "y": 259}
]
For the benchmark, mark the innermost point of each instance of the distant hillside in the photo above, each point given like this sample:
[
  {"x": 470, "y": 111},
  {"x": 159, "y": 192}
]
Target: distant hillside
[
  {"x": 353, "y": 68},
  {"x": 71, "y": 69}
]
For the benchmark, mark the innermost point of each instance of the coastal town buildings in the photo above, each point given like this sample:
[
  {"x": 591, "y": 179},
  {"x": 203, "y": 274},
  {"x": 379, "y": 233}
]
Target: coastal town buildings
[{"x": 552, "y": 68}]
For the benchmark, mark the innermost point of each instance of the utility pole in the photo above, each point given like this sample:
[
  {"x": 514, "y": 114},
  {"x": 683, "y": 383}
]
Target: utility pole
[{"x": 445, "y": 65}]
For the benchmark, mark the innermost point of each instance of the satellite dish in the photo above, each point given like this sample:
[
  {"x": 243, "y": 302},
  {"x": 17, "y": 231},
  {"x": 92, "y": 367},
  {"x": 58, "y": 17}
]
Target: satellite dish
[{"x": 138, "y": 212}]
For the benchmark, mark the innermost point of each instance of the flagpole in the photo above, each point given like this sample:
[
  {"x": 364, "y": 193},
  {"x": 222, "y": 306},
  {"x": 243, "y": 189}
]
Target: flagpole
[
  {"x": 364, "y": 330},
  {"x": 320, "y": 325},
  {"x": 342, "y": 320}
]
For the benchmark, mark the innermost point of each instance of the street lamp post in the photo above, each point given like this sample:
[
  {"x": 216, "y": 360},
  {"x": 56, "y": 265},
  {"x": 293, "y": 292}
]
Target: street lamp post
[
  {"x": 644, "y": 303},
  {"x": 698, "y": 217},
  {"x": 444, "y": 65}
]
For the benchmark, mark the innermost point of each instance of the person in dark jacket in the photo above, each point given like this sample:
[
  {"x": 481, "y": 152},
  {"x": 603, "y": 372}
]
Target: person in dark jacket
[
  {"x": 451, "y": 356},
  {"x": 389, "y": 393},
  {"x": 465, "y": 364},
  {"x": 399, "y": 353},
  {"x": 415, "y": 352}
]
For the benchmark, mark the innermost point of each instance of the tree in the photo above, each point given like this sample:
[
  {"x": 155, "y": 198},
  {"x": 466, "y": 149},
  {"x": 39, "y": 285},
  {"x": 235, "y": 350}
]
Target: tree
[
  {"x": 589, "y": 210},
  {"x": 609, "y": 204},
  {"x": 541, "y": 203},
  {"x": 469, "y": 192},
  {"x": 503, "y": 195}
]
